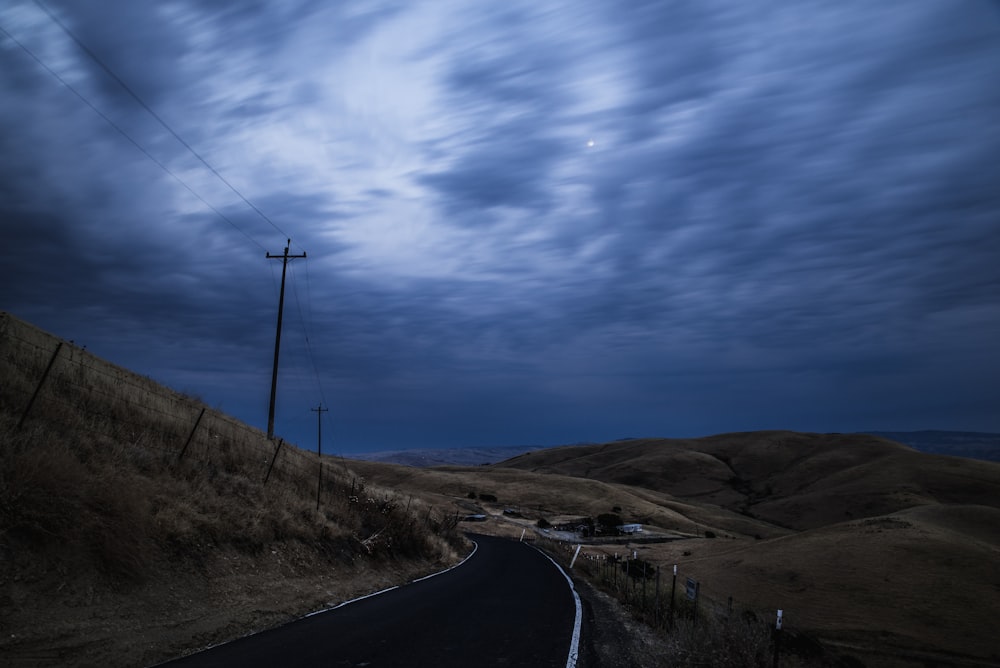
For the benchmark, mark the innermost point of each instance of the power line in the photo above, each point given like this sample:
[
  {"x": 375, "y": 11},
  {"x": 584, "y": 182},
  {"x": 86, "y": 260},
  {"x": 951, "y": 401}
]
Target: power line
[
  {"x": 124, "y": 134},
  {"x": 307, "y": 328},
  {"x": 93, "y": 56}
]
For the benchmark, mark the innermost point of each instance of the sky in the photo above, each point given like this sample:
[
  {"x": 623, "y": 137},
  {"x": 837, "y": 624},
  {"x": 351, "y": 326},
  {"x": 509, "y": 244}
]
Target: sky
[{"x": 526, "y": 222}]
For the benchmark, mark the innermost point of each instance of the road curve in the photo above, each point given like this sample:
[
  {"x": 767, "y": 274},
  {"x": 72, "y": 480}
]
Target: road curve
[{"x": 508, "y": 605}]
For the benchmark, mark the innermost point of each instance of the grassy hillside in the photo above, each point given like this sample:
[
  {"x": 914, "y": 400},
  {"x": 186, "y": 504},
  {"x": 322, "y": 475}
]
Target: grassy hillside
[
  {"x": 794, "y": 480},
  {"x": 882, "y": 552},
  {"x": 918, "y": 587},
  {"x": 136, "y": 525}
]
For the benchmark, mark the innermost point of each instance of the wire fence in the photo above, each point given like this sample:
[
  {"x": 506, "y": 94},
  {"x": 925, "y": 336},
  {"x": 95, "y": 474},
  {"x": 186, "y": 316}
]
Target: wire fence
[
  {"x": 56, "y": 383},
  {"x": 706, "y": 626}
]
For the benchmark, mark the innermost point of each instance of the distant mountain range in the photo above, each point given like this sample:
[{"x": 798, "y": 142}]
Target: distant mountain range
[
  {"x": 444, "y": 457},
  {"x": 970, "y": 444}
]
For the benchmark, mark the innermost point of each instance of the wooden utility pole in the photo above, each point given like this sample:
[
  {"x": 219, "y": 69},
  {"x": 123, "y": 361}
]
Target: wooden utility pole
[
  {"x": 319, "y": 410},
  {"x": 277, "y": 337}
]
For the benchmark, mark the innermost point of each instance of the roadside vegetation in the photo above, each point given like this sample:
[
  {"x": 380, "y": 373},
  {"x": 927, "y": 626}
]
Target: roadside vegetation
[
  {"x": 84, "y": 501},
  {"x": 136, "y": 526}
]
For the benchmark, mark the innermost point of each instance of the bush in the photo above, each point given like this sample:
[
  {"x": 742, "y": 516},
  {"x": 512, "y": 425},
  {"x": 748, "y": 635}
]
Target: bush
[{"x": 543, "y": 523}]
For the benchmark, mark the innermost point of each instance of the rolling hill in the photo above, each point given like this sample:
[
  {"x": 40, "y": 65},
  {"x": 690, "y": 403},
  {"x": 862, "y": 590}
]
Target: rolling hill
[
  {"x": 794, "y": 480},
  {"x": 885, "y": 553}
]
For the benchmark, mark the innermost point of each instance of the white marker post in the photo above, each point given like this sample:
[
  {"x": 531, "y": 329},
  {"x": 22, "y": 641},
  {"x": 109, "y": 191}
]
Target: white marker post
[
  {"x": 777, "y": 639},
  {"x": 673, "y": 590},
  {"x": 577, "y": 554},
  {"x": 522, "y": 535}
]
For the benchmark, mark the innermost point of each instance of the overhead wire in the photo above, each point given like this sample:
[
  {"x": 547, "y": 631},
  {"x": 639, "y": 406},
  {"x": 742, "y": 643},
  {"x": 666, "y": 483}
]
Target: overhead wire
[
  {"x": 307, "y": 333},
  {"x": 93, "y": 56},
  {"x": 309, "y": 315},
  {"x": 126, "y": 135}
]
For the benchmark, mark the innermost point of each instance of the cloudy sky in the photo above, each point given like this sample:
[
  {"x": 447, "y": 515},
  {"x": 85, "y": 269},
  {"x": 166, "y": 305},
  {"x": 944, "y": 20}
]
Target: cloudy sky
[{"x": 527, "y": 222}]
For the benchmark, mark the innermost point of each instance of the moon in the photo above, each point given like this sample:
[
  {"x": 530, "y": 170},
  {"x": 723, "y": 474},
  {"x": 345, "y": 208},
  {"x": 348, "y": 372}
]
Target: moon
[{"x": 591, "y": 143}]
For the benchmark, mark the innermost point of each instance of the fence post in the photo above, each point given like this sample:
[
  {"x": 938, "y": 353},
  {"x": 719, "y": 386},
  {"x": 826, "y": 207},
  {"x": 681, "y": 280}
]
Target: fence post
[
  {"x": 276, "y": 450},
  {"x": 694, "y": 607},
  {"x": 34, "y": 395},
  {"x": 191, "y": 435},
  {"x": 656, "y": 601},
  {"x": 319, "y": 484},
  {"x": 575, "y": 555},
  {"x": 644, "y": 603},
  {"x": 673, "y": 589},
  {"x": 628, "y": 576}
]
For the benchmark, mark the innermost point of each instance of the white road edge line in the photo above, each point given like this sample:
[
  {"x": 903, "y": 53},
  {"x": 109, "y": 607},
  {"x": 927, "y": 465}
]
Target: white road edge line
[
  {"x": 353, "y": 600},
  {"x": 574, "y": 645},
  {"x": 475, "y": 546}
]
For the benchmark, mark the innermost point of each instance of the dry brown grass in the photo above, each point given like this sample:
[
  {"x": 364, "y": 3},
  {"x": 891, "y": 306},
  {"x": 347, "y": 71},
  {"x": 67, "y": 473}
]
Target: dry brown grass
[
  {"x": 921, "y": 583},
  {"x": 537, "y": 495},
  {"x": 789, "y": 479},
  {"x": 891, "y": 556},
  {"x": 106, "y": 528},
  {"x": 885, "y": 553}
]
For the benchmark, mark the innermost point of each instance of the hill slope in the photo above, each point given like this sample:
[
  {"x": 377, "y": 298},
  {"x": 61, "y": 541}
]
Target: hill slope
[
  {"x": 137, "y": 524},
  {"x": 883, "y": 552},
  {"x": 795, "y": 480}
]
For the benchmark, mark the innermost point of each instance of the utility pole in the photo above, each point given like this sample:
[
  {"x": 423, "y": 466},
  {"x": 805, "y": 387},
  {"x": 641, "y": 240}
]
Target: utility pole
[
  {"x": 277, "y": 337},
  {"x": 319, "y": 446}
]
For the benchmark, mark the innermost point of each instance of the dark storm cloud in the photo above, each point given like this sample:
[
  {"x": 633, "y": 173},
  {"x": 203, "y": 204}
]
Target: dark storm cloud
[
  {"x": 496, "y": 171},
  {"x": 132, "y": 41},
  {"x": 524, "y": 223},
  {"x": 805, "y": 206},
  {"x": 510, "y": 87}
]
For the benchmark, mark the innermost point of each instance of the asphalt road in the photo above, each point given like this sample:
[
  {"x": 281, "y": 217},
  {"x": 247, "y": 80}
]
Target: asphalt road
[{"x": 507, "y": 605}]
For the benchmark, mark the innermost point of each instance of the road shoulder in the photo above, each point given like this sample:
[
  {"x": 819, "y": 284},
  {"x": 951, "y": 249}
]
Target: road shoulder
[{"x": 611, "y": 638}]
